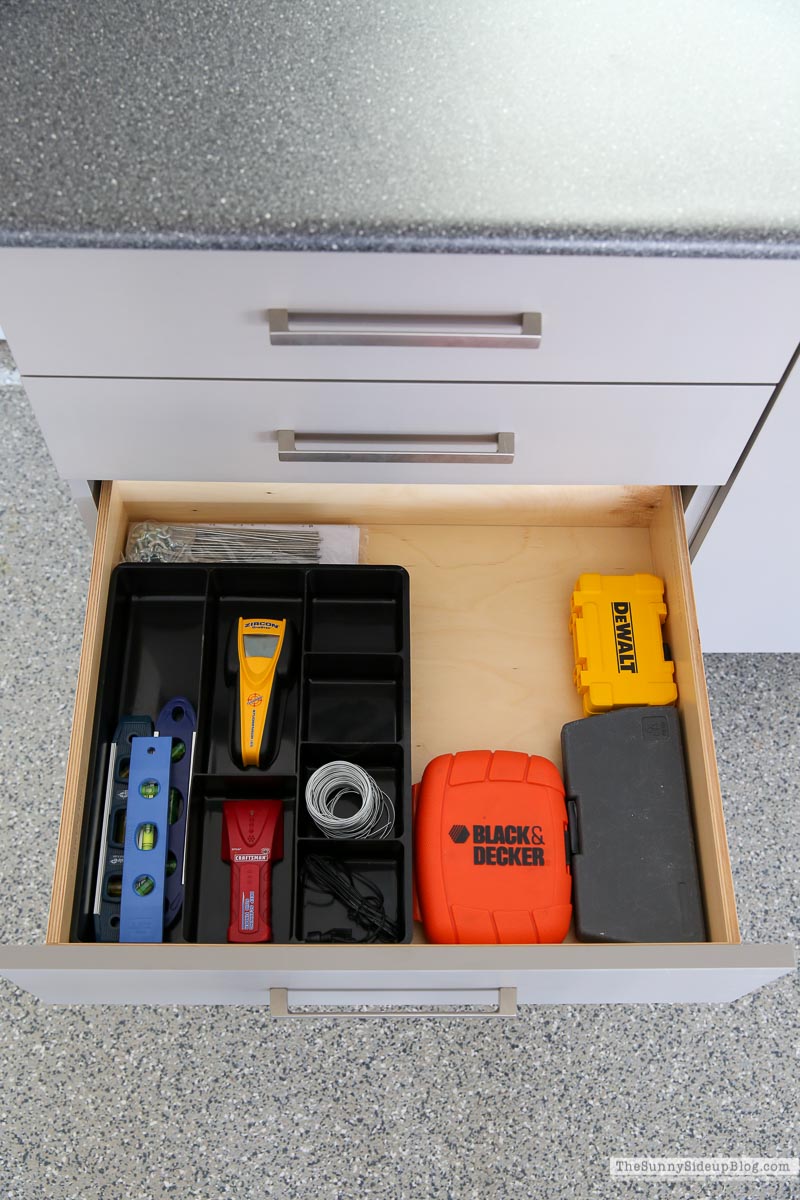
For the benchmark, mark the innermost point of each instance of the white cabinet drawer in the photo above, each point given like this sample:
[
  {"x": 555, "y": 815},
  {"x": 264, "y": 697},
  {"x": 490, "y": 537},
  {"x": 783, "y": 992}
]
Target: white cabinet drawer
[
  {"x": 200, "y": 314},
  {"x": 747, "y": 542},
  {"x": 511, "y": 552},
  {"x": 228, "y": 430}
]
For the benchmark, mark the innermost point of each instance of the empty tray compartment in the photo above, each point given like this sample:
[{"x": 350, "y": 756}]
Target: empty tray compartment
[
  {"x": 350, "y": 698},
  {"x": 351, "y": 610},
  {"x": 154, "y": 636}
]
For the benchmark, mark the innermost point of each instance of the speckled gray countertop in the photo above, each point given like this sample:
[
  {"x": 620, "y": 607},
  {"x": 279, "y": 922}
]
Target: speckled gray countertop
[{"x": 517, "y": 125}]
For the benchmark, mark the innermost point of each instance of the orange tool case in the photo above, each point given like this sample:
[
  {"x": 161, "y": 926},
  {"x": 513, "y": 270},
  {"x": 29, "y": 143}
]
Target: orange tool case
[{"x": 490, "y": 849}]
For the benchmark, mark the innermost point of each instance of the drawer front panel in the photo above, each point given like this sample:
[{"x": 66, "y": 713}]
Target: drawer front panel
[
  {"x": 198, "y": 314},
  {"x": 228, "y": 430},
  {"x": 540, "y": 974}
]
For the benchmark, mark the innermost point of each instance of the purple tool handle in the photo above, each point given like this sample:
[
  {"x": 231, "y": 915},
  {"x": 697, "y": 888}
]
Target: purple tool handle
[{"x": 177, "y": 720}]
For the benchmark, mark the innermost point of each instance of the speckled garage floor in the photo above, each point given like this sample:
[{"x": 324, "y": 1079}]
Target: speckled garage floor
[{"x": 206, "y": 1102}]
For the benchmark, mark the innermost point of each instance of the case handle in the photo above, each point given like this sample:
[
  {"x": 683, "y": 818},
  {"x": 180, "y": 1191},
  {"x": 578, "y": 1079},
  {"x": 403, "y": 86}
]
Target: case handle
[
  {"x": 513, "y": 331},
  {"x": 506, "y": 1005},
  {"x": 351, "y": 447}
]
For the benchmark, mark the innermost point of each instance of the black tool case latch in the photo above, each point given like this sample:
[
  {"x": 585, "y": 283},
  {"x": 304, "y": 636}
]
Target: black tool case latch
[{"x": 572, "y": 839}]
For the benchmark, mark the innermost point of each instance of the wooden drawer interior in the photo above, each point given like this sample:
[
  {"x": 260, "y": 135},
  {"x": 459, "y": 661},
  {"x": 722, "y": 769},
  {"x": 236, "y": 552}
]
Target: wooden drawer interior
[{"x": 500, "y": 558}]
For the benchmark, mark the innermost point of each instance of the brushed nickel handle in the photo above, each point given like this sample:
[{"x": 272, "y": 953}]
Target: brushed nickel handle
[
  {"x": 502, "y": 331},
  {"x": 367, "y": 447},
  {"x": 506, "y": 1006}
]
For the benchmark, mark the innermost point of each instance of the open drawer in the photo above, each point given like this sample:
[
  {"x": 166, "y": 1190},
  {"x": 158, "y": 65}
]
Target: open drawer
[{"x": 504, "y": 556}]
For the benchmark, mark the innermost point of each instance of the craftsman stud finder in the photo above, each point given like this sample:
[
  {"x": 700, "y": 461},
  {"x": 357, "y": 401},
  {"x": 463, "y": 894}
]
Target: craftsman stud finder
[{"x": 252, "y": 839}]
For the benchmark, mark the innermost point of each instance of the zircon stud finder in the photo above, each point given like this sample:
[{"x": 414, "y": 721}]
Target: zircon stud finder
[
  {"x": 258, "y": 660},
  {"x": 252, "y": 839}
]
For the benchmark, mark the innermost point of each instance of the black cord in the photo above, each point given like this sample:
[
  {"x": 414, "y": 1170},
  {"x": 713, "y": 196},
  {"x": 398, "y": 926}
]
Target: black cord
[{"x": 361, "y": 897}]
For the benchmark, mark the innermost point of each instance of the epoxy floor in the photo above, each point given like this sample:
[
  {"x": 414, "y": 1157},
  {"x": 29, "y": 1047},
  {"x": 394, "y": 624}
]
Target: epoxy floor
[{"x": 102, "y": 1103}]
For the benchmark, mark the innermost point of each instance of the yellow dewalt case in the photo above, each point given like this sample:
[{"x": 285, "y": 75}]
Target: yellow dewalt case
[{"x": 619, "y": 651}]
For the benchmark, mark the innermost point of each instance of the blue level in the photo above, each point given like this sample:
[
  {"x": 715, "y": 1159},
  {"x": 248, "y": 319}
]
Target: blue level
[{"x": 146, "y": 840}]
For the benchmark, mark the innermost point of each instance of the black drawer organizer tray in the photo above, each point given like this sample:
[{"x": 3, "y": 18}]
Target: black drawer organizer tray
[{"x": 349, "y": 698}]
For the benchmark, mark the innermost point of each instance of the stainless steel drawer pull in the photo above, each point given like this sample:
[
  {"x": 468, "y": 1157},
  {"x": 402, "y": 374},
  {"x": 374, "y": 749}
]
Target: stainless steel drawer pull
[
  {"x": 506, "y": 1005},
  {"x": 501, "y": 331},
  {"x": 395, "y": 447}
]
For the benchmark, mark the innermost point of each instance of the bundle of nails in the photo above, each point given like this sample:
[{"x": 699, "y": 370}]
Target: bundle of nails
[{"x": 149, "y": 541}]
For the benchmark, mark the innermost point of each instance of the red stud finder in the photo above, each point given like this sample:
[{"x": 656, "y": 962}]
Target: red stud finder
[{"x": 252, "y": 839}]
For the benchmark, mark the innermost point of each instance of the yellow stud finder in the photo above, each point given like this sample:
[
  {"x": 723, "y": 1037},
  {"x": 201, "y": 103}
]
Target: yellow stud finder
[{"x": 259, "y": 660}]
